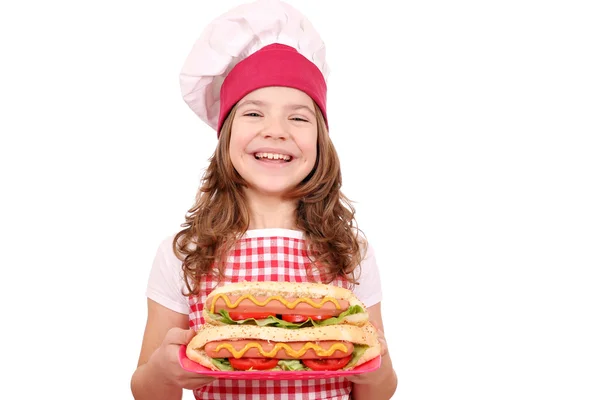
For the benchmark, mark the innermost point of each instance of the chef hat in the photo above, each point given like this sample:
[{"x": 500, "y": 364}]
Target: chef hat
[{"x": 255, "y": 45}]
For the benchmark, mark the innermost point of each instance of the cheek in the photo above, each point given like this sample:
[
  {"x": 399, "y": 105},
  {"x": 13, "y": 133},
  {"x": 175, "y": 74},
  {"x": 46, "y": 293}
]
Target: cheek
[
  {"x": 236, "y": 154},
  {"x": 237, "y": 144},
  {"x": 234, "y": 148},
  {"x": 309, "y": 148}
]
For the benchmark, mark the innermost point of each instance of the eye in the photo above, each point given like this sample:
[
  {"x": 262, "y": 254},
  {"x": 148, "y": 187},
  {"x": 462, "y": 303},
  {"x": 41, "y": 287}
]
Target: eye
[
  {"x": 252, "y": 114},
  {"x": 302, "y": 119}
]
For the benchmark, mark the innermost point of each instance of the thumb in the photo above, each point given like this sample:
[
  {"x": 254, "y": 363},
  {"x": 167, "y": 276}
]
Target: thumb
[
  {"x": 179, "y": 336},
  {"x": 377, "y": 325}
]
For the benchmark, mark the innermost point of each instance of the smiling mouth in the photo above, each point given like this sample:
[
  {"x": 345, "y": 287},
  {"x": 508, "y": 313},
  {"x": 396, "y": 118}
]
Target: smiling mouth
[{"x": 273, "y": 157}]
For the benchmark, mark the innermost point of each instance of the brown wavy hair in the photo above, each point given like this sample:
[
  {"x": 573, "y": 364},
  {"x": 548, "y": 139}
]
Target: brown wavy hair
[{"x": 220, "y": 215}]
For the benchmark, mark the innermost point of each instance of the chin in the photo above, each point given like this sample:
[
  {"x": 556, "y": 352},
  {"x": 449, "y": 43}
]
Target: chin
[{"x": 273, "y": 190}]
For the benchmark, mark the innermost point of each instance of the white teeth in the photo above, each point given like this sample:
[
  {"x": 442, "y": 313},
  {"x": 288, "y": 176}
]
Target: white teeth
[{"x": 273, "y": 156}]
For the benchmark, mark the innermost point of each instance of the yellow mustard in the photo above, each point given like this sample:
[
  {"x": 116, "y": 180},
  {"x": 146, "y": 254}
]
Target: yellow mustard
[
  {"x": 282, "y": 300},
  {"x": 291, "y": 352}
]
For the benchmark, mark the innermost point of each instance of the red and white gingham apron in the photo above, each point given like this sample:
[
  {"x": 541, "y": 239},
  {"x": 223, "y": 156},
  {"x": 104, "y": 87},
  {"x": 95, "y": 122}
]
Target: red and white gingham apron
[{"x": 267, "y": 258}]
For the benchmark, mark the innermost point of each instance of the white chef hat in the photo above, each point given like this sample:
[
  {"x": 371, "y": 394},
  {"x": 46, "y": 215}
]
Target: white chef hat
[{"x": 258, "y": 44}]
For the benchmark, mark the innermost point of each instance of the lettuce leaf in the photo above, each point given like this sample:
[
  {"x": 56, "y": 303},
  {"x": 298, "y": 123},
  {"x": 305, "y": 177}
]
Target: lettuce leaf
[
  {"x": 273, "y": 321},
  {"x": 336, "y": 320},
  {"x": 224, "y": 317},
  {"x": 292, "y": 365},
  {"x": 222, "y": 363},
  {"x": 359, "y": 350}
]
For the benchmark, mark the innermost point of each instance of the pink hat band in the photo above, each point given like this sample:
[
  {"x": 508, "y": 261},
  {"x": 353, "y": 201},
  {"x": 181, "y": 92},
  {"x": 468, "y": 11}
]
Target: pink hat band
[{"x": 273, "y": 65}]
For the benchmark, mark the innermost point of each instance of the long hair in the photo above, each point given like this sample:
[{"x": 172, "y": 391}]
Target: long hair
[{"x": 220, "y": 215}]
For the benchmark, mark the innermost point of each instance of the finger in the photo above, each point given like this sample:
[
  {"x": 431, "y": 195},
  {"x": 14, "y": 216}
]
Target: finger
[
  {"x": 384, "y": 348},
  {"x": 378, "y": 325},
  {"x": 199, "y": 377},
  {"x": 200, "y": 380},
  {"x": 358, "y": 379},
  {"x": 196, "y": 383},
  {"x": 179, "y": 336},
  {"x": 383, "y": 343}
]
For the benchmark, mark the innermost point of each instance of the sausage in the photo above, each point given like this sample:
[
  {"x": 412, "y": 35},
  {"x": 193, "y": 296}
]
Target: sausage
[
  {"x": 276, "y": 307},
  {"x": 252, "y": 352}
]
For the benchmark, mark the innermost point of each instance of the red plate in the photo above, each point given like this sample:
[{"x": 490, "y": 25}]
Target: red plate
[{"x": 193, "y": 366}]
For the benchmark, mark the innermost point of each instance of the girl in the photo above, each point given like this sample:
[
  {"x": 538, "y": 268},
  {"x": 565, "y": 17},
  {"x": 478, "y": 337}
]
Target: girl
[{"x": 269, "y": 207}]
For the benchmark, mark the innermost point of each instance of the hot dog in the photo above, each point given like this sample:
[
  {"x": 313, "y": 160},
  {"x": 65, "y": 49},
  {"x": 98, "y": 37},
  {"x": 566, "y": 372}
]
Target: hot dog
[
  {"x": 251, "y": 348},
  {"x": 234, "y": 347},
  {"x": 283, "y": 305}
]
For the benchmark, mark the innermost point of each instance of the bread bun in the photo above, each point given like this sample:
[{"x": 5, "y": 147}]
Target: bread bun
[
  {"x": 288, "y": 290},
  {"x": 365, "y": 335},
  {"x": 201, "y": 358}
]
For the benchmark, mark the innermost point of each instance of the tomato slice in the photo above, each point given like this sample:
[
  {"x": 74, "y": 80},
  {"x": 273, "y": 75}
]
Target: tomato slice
[
  {"x": 327, "y": 364},
  {"x": 297, "y": 318},
  {"x": 320, "y": 317},
  {"x": 240, "y": 316},
  {"x": 254, "y": 363}
]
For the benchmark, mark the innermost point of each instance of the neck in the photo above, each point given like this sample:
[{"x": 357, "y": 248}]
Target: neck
[{"x": 271, "y": 212}]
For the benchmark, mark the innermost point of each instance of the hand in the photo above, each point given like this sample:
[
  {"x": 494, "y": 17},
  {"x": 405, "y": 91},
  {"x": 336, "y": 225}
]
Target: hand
[
  {"x": 375, "y": 376},
  {"x": 165, "y": 361}
]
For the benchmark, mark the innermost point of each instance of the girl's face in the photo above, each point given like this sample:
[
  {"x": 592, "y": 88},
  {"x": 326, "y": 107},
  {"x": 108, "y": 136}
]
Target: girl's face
[{"x": 273, "y": 143}]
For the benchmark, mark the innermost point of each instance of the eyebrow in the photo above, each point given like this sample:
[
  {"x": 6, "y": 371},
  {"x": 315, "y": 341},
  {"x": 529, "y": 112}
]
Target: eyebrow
[{"x": 289, "y": 106}]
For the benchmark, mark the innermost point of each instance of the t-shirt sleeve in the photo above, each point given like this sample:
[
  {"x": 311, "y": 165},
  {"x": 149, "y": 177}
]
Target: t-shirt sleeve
[
  {"x": 165, "y": 283},
  {"x": 368, "y": 289}
]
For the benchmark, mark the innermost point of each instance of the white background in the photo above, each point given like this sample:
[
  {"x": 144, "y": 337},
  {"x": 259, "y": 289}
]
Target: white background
[{"x": 468, "y": 134}]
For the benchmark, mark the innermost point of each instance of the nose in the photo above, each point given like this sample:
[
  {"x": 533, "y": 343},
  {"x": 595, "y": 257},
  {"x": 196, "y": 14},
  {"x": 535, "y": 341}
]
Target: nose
[{"x": 275, "y": 128}]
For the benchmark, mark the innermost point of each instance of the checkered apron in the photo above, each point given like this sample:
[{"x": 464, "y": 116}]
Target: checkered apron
[{"x": 267, "y": 258}]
